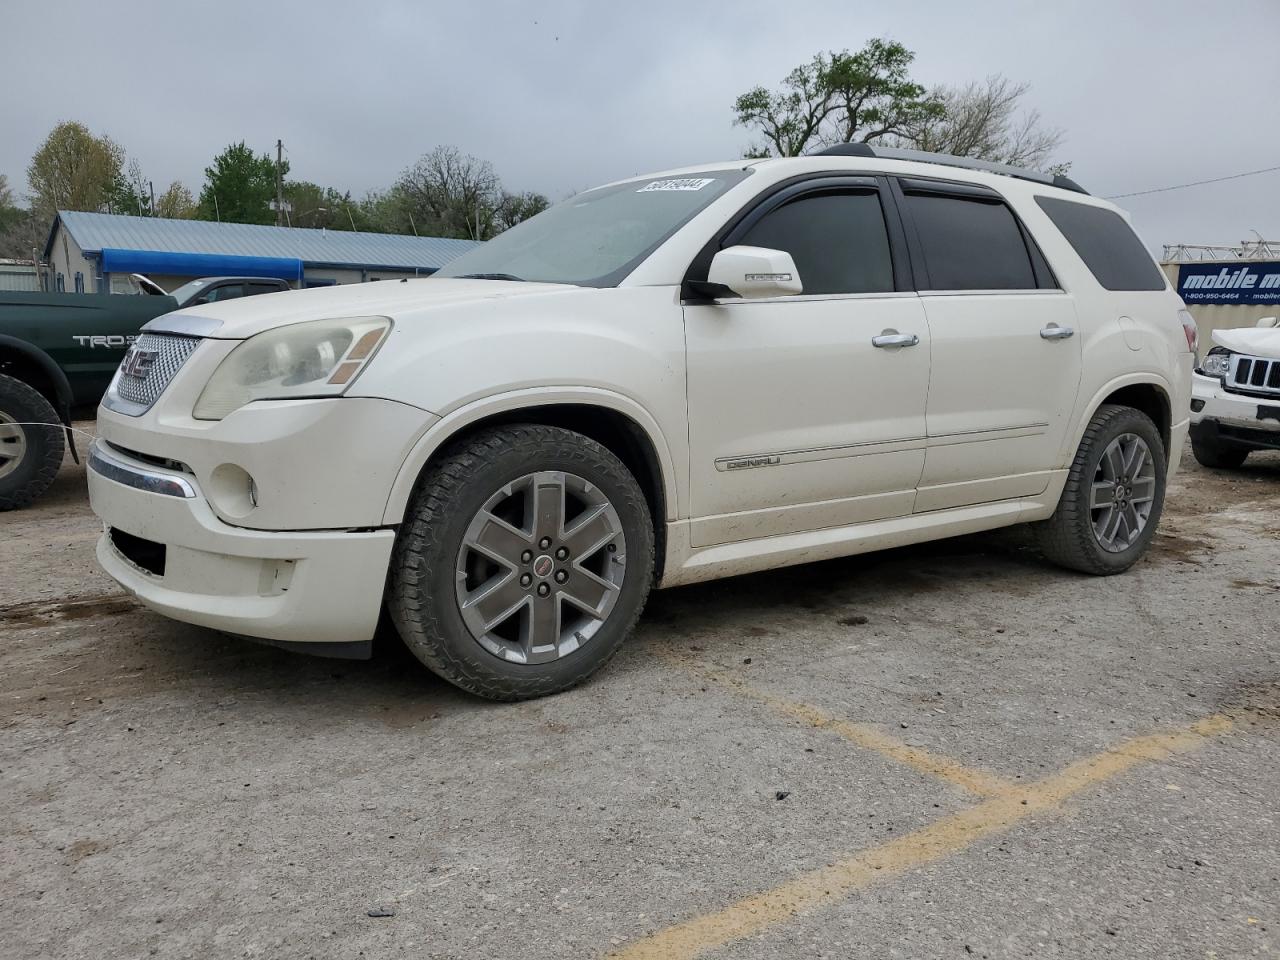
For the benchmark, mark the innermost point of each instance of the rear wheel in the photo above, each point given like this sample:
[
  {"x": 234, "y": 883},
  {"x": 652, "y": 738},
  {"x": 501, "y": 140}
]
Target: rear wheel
[
  {"x": 1216, "y": 453},
  {"x": 523, "y": 563},
  {"x": 1113, "y": 497},
  {"x": 31, "y": 444}
]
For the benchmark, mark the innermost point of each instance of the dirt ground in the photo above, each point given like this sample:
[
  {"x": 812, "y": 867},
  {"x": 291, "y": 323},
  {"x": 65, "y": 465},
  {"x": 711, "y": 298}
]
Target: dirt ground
[{"x": 951, "y": 750}]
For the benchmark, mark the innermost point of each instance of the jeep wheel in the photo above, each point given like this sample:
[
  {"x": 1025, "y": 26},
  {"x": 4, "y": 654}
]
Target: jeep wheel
[
  {"x": 1113, "y": 498},
  {"x": 1212, "y": 452},
  {"x": 29, "y": 455},
  {"x": 523, "y": 562}
]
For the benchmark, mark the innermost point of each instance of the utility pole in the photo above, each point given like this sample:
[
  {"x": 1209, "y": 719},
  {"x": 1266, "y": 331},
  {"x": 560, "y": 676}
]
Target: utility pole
[
  {"x": 279, "y": 182},
  {"x": 151, "y": 185}
]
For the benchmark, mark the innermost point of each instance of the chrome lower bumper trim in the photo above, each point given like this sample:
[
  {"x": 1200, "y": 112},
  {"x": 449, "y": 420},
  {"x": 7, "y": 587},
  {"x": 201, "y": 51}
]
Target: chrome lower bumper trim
[{"x": 106, "y": 464}]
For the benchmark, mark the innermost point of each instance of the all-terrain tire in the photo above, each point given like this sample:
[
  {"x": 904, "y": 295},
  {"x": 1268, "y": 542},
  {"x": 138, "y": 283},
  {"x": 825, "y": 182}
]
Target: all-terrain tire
[
  {"x": 1217, "y": 454},
  {"x": 1067, "y": 538},
  {"x": 25, "y": 476},
  {"x": 421, "y": 595}
]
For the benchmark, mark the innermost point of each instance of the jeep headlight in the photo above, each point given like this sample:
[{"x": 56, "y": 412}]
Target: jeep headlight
[
  {"x": 316, "y": 359},
  {"x": 1216, "y": 363}
]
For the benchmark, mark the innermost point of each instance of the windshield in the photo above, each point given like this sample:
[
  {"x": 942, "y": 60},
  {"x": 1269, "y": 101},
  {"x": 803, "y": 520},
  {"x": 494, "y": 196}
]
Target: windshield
[
  {"x": 188, "y": 290},
  {"x": 596, "y": 238}
]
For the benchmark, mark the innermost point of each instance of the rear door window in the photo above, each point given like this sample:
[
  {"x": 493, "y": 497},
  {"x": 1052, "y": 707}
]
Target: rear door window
[
  {"x": 837, "y": 239},
  {"x": 970, "y": 243},
  {"x": 1106, "y": 243}
]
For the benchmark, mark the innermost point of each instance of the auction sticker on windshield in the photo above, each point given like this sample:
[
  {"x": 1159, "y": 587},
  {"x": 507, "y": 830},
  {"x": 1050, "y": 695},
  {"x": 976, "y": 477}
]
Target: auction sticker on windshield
[{"x": 688, "y": 183}]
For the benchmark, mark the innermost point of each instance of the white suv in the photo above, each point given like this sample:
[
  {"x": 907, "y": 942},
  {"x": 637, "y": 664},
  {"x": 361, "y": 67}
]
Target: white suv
[
  {"x": 695, "y": 374},
  {"x": 1235, "y": 395}
]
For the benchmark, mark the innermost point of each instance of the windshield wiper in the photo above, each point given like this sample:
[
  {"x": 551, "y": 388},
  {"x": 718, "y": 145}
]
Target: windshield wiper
[{"x": 489, "y": 276}]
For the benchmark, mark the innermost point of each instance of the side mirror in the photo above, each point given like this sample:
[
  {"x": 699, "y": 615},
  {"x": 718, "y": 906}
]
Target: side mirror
[
  {"x": 1267, "y": 322},
  {"x": 754, "y": 272}
]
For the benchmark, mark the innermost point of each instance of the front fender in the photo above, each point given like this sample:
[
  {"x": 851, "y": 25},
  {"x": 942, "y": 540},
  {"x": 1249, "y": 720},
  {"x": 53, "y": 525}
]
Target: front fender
[{"x": 458, "y": 420}]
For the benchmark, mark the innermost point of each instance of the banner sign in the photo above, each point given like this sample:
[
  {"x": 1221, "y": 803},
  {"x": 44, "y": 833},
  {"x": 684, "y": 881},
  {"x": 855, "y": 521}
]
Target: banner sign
[{"x": 1242, "y": 283}]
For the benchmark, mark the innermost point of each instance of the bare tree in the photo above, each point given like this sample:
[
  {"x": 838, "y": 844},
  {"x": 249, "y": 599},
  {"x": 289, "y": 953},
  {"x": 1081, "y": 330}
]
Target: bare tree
[
  {"x": 451, "y": 194},
  {"x": 984, "y": 120}
]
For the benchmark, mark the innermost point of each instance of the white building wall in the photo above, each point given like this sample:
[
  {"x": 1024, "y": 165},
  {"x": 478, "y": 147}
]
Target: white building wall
[{"x": 67, "y": 259}]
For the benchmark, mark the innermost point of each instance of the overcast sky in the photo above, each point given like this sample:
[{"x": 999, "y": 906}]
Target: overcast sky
[{"x": 561, "y": 95}]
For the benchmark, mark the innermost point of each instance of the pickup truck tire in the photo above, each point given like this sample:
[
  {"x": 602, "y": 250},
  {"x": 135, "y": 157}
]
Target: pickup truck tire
[
  {"x": 34, "y": 453},
  {"x": 511, "y": 537},
  {"x": 1113, "y": 498},
  {"x": 1216, "y": 454}
]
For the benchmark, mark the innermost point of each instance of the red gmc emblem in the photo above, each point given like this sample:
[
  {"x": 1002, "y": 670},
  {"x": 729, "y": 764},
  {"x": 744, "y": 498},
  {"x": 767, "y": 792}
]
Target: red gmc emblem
[{"x": 137, "y": 363}]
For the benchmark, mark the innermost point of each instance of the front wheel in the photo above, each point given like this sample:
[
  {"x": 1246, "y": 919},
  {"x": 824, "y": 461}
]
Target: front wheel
[
  {"x": 1212, "y": 452},
  {"x": 1113, "y": 497},
  {"x": 31, "y": 443},
  {"x": 523, "y": 563}
]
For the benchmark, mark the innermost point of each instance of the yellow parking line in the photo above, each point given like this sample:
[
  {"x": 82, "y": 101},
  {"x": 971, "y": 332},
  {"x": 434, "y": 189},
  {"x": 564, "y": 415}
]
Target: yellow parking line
[
  {"x": 978, "y": 782},
  {"x": 824, "y": 886}
]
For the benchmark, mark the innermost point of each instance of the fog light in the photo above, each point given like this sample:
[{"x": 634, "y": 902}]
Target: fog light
[
  {"x": 232, "y": 490},
  {"x": 1197, "y": 406}
]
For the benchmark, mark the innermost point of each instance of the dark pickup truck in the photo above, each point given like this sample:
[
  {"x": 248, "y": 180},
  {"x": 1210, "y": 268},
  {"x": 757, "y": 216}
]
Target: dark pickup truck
[{"x": 58, "y": 352}]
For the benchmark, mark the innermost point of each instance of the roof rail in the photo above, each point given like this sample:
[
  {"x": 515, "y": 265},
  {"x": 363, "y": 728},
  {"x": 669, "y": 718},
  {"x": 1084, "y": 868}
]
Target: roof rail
[{"x": 947, "y": 160}]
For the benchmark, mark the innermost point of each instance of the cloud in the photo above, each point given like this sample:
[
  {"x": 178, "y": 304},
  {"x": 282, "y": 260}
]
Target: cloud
[{"x": 562, "y": 95}]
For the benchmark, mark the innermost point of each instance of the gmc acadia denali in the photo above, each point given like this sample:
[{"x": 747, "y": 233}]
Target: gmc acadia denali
[{"x": 695, "y": 374}]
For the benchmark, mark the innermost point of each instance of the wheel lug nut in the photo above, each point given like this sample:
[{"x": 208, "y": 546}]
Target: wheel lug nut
[
  {"x": 525, "y": 580},
  {"x": 562, "y": 553},
  {"x": 526, "y": 556},
  {"x": 544, "y": 542},
  {"x": 544, "y": 589},
  {"x": 562, "y": 576}
]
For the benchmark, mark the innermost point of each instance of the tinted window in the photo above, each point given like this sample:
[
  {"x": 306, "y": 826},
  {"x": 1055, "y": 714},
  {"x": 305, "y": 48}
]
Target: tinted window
[
  {"x": 257, "y": 288},
  {"x": 228, "y": 291},
  {"x": 1108, "y": 246},
  {"x": 837, "y": 240},
  {"x": 970, "y": 244}
]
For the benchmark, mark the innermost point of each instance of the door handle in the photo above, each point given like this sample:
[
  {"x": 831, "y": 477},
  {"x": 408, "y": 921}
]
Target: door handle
[
  {"x": 895, "y": 340},
  {"x": 1055, "y": 332}
]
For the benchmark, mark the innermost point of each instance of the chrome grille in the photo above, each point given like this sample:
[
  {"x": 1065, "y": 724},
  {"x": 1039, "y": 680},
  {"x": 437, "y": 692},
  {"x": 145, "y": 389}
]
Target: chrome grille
[
  {"x": 153, "y": 360},
  {"x": 1254, "y": 375}
]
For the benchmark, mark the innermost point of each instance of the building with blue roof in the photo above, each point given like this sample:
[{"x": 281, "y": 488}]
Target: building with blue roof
[{"x": 96, "y": 253}]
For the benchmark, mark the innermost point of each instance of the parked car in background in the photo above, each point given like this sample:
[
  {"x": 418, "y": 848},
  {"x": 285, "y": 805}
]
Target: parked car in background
[
  {"x": 707, "y": 372},
  {"x": 58, "y": 351},
  {"x": 1235, "y": 397}
]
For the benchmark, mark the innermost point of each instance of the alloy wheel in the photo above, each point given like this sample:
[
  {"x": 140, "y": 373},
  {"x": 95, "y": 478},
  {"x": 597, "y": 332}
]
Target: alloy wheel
[
  {"x": 13, "y": 445},
  {"x": 1123, "y": 492},
  {"x": 541, "y": 567}
]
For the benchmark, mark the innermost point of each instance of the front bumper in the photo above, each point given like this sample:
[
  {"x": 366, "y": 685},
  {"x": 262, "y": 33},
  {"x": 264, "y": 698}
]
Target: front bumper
[
  {"x": 1233, "y": 416},
  {"x": 295, "y": 588}
]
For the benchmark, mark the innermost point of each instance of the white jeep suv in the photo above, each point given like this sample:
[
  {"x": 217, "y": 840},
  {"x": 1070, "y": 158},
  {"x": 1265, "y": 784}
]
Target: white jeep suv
[
  {"x": 1235, "y": 395},
  {"x": 695, "y": 374}
]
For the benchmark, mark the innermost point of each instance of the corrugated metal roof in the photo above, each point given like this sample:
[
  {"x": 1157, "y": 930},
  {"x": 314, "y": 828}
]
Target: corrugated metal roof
[{"x": 94, "y": 231}]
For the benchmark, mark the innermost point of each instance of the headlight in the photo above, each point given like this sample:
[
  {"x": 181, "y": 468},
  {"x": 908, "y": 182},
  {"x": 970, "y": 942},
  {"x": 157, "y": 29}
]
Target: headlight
[
  {"x": 315, "y": 359},
  {"x": 1216, "y": 362}
]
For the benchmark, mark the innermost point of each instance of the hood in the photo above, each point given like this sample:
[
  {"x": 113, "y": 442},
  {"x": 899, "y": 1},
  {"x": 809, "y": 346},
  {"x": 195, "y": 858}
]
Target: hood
[
  {"x": 1255, "y": 341},
  {"x": 246, "y": 316}
]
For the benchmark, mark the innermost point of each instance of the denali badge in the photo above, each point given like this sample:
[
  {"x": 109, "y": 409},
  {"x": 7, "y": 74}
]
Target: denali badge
[
  {"x": 137, "y": 363},
  {"x": 745, "y": 463}
]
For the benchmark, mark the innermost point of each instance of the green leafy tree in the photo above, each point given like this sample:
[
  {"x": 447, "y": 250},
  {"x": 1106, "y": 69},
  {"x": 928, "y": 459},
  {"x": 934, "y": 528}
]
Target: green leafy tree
[
  {"x": 311, "y": 205},
  {"x": 240, "y": 186},
  {"x": 838, "y": 98},
  {"x": 74, "y": 170},
  {"x": 176, "y": 203}
]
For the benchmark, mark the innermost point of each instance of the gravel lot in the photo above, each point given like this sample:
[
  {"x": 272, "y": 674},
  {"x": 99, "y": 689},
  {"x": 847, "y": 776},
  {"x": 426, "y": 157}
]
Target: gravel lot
[{"x": 952, "y": 750}]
